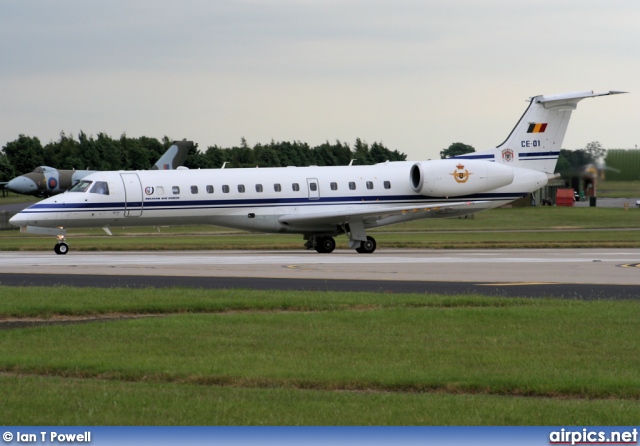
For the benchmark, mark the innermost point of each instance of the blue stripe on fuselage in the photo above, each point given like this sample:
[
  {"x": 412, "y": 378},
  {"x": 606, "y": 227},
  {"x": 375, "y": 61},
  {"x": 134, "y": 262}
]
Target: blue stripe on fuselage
[
  {"x": 476, "y": 157},
  {"x": 268, "y": 202},
  {"x": 532, "y": 154}
]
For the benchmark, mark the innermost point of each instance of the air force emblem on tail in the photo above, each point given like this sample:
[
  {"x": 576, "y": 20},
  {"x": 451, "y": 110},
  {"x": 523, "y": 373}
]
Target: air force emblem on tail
[
  {"x": 507, "y": 155},
  {"x": 461, "y": 175}
]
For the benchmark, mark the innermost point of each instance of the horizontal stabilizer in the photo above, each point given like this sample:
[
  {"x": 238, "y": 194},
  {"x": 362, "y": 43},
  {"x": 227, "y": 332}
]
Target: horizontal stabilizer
[
  {"x": 577, "y": 95},
  {"x": 570, "y": 100}
]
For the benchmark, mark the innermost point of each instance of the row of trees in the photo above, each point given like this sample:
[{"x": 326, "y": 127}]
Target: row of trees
[
  {"x": 281, "y": 154},
  {"x": 106, "y": 153},
  {"x": 101, "y": 153},
  {"x": 571, "y": 162},
  {"x": 623, "y": 165},
  {"x": 456, "y": 149},
  {"x": 125, "y": 153}
]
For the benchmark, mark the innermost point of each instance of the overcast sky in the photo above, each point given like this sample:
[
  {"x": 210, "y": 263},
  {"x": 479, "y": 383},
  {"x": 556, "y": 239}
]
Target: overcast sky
[{"x": 415, "y": 75}]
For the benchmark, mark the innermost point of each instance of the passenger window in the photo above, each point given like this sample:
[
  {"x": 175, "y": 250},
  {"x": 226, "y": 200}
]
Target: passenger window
[
  {"x": 352, "y": 185},
  {"x": 258, "y": 187},
  {"x": 369, "y": 185},
  {"x": 175, "y": 190},
  {"x": 101, "y": 187},
  {"x": 194, "y": 189},
  {"x": 387, "y": 184},
  {"x": 277, "y": 187},
  {"x": 313, "y": 186},
  {"x": 209, "y": 189},
  {"x": 225, "y": 189},
  {"x": 160, "y": 190},
  {"x": 295, "y": 187},
  {"x": 334, "y": 186},
  {"x": 241, "y": 188}
]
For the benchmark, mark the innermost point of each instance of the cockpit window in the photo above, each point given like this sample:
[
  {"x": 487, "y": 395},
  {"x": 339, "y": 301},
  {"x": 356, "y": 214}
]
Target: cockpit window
[
  {"x": 81, "y": 186},
  {"x": 43, "y": 169},
  {"x": 101, "y": 187}
]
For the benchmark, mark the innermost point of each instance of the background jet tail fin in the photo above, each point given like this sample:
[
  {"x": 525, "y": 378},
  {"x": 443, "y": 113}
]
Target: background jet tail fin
[
  {"x": 536, "y": 140},
  {"x": 174, "y": 157}
]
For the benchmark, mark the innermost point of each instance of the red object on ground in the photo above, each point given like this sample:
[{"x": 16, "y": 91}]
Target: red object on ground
[{"x": 564, "y": 197}]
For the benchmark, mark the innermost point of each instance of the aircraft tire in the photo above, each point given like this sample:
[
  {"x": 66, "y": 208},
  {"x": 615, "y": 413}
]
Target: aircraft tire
[
  {"x": 325, "y": 245},
  {"x": 367, "y": 247},
  {"x": 61, "y": 248}
]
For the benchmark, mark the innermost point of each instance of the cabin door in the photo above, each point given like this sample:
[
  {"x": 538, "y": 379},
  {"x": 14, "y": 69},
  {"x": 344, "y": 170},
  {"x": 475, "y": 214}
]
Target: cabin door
[
  {"x": 132, "y": 194},
  {"x": 314, "y": 189}
]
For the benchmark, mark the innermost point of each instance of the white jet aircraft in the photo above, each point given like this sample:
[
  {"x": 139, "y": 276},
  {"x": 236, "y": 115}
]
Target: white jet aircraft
[{"x": 318, "y": 202}]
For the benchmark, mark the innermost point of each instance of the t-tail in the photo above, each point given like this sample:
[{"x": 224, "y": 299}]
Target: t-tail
[
  {"x": 536, "y": 140},
  {"x": 174, "y": 157}
]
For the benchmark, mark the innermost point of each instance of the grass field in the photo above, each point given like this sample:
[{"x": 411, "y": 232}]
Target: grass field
[
  {"x": 619, "y": 189},
  {"x": 11, "y": 198},
  {"x": 250, "y": 357}
]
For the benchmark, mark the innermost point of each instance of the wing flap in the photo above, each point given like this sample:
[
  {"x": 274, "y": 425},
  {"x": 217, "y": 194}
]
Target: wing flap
[{"x": 370, "y": 214}]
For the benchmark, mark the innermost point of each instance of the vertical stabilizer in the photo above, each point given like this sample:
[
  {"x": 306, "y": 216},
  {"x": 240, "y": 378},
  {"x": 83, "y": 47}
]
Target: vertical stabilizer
[
  {"x": 174, "y": 157},
  {"x": 536, "y": 140}
]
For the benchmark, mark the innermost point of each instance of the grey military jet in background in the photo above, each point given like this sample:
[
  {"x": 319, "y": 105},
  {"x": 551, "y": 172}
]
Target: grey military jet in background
[{"x": 46, "y": 181}]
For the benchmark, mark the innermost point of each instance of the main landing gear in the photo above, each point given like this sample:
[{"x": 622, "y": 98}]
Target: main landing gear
[
  {"x": 325, "y": 245},
  {"x": 322, "y": 244},
  {"x": 367, "y": 247}
]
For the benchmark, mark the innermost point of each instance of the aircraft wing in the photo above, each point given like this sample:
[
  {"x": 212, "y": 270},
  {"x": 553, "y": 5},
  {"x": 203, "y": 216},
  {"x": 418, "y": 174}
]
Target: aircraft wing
[{"x": 368, "y": 214}]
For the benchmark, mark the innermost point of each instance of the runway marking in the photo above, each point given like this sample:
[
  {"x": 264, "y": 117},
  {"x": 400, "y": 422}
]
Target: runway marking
[
  {"x": 304, "y": 268},
  {"x": 123, "y": 259},
  {"x": 515, "y": 283},
  {"x": 630, "y": 265}
]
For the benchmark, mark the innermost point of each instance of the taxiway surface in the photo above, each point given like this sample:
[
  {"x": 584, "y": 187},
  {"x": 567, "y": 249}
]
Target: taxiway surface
[
  {"x": 566, "y": 272},
  {"x": 605, "y": 266}
]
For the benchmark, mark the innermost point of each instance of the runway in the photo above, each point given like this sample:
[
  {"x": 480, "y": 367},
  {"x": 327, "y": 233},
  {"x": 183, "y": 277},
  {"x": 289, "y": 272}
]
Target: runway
[{"x": 578, "y": 273}]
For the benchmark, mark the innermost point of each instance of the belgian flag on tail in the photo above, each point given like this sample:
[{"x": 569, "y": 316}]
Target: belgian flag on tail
[{"x": 536, "y": 128}]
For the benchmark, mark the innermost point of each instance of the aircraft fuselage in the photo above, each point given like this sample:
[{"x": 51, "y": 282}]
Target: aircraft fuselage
[{"x": 262, "y": 199}]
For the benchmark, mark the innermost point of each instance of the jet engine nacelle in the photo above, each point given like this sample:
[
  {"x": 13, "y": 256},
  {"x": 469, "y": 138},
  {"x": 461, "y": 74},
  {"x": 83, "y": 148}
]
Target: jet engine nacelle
[{"x": 456, "y": 177}]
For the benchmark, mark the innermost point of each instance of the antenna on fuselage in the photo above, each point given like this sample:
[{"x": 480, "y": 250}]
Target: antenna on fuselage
[
  {"x": 351, "y": 162},
  {"x": 224, "y": 164}
]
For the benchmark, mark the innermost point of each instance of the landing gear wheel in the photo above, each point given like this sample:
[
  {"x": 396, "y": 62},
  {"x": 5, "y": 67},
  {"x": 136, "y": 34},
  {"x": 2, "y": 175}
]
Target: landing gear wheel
[
  {"x": 367, "y": 247},
  {"x": 61, "y": 248},
  {"x": 325, "y": 245}
]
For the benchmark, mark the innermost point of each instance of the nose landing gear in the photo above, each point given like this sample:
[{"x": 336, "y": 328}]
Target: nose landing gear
[{"x": 61, "y": 247}]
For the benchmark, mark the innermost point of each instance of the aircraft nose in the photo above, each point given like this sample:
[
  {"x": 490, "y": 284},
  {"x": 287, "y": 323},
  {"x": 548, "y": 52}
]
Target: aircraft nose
[
  {"x": 16, "y": 220},
  {"x": 22, "y": 185}
]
